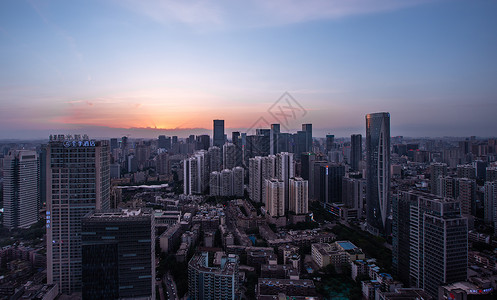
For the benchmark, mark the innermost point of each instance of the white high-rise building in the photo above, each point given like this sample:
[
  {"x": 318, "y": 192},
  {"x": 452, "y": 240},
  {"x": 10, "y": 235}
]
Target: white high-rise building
[
  {"x": 195, "y": 174},
  {"x": 20, "y": 193},
  {"x": 78, "y": 181},
  {"x": 226, "y": 183},
  {"x": 299, "y": 196},
  {"x": 268, "y": 172},
  {"x": 285, "y": 170},
  {"x": 275, "y": 195}
]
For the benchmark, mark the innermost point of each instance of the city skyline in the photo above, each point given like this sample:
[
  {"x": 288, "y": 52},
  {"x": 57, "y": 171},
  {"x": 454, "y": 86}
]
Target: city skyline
[{"x": 112, "y": 68}]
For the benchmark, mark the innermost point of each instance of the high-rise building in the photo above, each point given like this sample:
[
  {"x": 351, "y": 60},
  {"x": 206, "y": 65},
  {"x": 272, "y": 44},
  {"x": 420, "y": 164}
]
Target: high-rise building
[
  {"x": 307, "y": 128},
  {"x": 255, "y": 179},
  {"x": 226, "y": 183},
  {"x": 285, "y": 169},
  {"x": 330, "y": 186},
  {"x": 466, "y": 194},
  {"x": 354, "y": 194},
  {"x": 491, "y": 174},
  {"x": 195, "y": 173},
  {"x": 78, "y": 181},
  {"x": 466, "y": 171},
  {"x": 118, "y": 254},
  {"x": 446, "y": 187},
  {"x": 355, "y": 151},
  {"x": 490, "y": 203},
  {"x": 209, "y": 281},
  {"x": 330, "y": 142},
  {"x": 20, "y": 189},
  {"x": 215, "y": 184},
  {"x": 430, "y": 240},
  {"x": 315, "y": 179},
  {"x": 236, "y": 139},
  {"x": 299, "y": 196},
  {"x": 275, "y": 197},
  {"x": 238, "y": 178},
  {"x": 215, "y": 159},
  {"x": 203, "y": 142},
  {"x": 229, "y": 158},
  {"x": 437, "y": 170},
  {"x": 114, "y": 144},
  {"x": 275, "y": 131},
  {"x": 218, "y": 139},
  {"x": 378, "y": 171}
]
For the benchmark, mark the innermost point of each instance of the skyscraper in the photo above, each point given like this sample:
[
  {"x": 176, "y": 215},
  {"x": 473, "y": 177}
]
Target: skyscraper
[
  {"x": 203, "y": 142},
  {"x": 78, "y": 181},
  {"x": 330, "y": 142},
  {"x": 238, "y": 178},
  {"x": 215, "y": 159},
  {"x": 430, "y": 240},
  {"x": 285, "y": 170},
  {"x": 355, "y": 151},
  {"x": 378, "y": 171},
  {"x": 490, "y": 204},
  {"x": 195, "y": 174},
  {"x": 330, "y": 187},
  {"x": 275, "y": 131},
  {"x": 20, "y": 193},
  {"x": 118, "y": 254},
  {"x": 255, "y": 179},
  {"x": 226, "y": 179},
  {"x": 308, "y": 137},
  {"x": 218, "y": 139}
]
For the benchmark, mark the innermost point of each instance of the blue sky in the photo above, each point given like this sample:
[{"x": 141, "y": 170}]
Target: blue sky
[{"x": 108, "y": 66}]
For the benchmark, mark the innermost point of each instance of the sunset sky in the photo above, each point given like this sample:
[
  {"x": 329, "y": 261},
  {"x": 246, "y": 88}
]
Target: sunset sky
[{"x": 110, "y": 65}]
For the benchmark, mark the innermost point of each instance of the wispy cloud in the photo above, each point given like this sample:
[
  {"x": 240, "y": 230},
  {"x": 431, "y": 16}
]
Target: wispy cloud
[{"x": 255, "y": 13}]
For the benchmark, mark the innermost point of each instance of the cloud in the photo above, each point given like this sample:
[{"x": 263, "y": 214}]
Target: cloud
[{"x": 231, "y": 14}]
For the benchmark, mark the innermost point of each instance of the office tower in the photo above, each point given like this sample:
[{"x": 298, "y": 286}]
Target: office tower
[
  {"x": 355, "y": 151},
  {"x": 275, "y": 197},
  {"x": 430, "y": 240},
  {"x": 258, "y": 145},
  {"x": 203, "y": 142},
  {"x": 215, "y": 184},
  {"x": 229, "y": 158},
  {"x": 195, "y": 173},
  {"x": 285, "y": 169},
  {"x": 175, "y": 139},
  {"x": 330, "y": 187},
  {"x": 161, "y": 142},
  {"x": 283, "y": 142},
  {"x": 315, "y": 179},
  {"x": 113, "y": 144},
  {"x": 226, "y": 183},
  {"x": 490, "y": 203},
  {"x": 307, "y": 128},
  {"x": 20, "y": 189},
  {"x": 215, "y": 158},
  {"x": 354, "y": 194},
  {"x": 300, "y": 139},
  {"x": 275, "y": 131},
  {"x": 378, "y": 171},
  {"x": 299, "y": 196},
  {"x": 78, "y": 181},
  {"x": 132, "y": 164},
  {"x": 466, "y": 194},
  {"x": 218, "y": 139},
  {"x": 238, "y": 178},
  {"x": 330, "y": 142},
  {"x": 466, "y": 171},
  {"x": 307, "y": 159},
  {"x": 118, "y": 254},
  {"x": 255, "y": 179},
  {"x": 206, "y": 280},
  {"x": 436, "y": 170},
  {"x": 115, "y": 171}
]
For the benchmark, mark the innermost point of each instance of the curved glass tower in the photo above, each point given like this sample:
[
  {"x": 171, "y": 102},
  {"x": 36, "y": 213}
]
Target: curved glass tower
[{"x": 378, "y": 171}]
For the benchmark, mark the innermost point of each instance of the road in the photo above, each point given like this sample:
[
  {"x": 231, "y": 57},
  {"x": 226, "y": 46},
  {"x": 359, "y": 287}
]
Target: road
[{"x": 171, "y": 291}]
